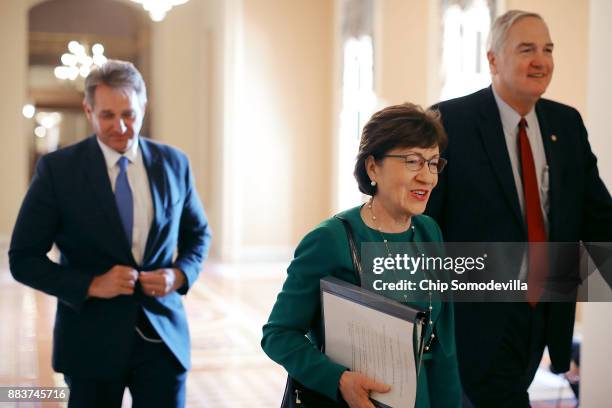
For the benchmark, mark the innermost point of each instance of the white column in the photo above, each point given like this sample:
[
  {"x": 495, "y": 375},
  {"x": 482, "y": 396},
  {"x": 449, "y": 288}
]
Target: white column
[
  {"x": 181, "y": 93},
  {"x": 14, "y": 154},
  {"x": 596, "y": 358}
]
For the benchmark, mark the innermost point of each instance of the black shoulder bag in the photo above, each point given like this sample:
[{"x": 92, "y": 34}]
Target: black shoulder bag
[{"x": 298, "y": 396}]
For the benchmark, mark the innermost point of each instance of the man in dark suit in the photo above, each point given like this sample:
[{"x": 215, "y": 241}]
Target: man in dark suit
[
  {"x": 118, "y": 207},
  {"x": 520, "y": 170}
]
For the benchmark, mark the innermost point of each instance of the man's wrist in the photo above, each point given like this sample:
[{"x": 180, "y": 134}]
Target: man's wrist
[
  {"x": 90, "y": 288},
  {"x": 179, "y": 278}
]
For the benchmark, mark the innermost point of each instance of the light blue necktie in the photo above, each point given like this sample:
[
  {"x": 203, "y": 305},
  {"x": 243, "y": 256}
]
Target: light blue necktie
[{"x": 123, "y": 198}]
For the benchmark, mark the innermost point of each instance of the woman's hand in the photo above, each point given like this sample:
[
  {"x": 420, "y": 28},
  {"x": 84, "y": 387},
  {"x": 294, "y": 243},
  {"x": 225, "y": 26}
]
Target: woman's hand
[{"x": 355, "y": 389}]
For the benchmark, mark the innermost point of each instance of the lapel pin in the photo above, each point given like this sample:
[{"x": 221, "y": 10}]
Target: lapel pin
[{"x": 553, "y": 138}]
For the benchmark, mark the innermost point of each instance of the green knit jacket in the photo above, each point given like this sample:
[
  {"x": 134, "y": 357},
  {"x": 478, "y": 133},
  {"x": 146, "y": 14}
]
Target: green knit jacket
[{"x": 292, "y": 336}]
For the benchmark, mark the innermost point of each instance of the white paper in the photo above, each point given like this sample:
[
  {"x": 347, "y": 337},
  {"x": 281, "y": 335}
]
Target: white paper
[{"x": 372, "y": 343}]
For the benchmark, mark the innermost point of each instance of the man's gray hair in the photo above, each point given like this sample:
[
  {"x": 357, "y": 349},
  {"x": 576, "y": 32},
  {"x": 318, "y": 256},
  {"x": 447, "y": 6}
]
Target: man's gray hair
[
  {"x": 501, "y": 26},
  {"x": 117, "y": 75}
]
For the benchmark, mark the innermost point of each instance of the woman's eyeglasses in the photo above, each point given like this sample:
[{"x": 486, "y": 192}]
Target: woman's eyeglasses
[{"x": 415, "y": 162}]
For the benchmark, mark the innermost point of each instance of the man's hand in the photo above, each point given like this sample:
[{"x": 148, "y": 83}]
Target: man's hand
[
  {"x": 355, "y": 389},
  {"x": 161, "y": 281},
  {"x": 119, "y": 280}
]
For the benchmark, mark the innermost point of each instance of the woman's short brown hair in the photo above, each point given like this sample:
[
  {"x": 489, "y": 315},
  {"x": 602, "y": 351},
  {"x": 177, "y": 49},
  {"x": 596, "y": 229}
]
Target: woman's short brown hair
[{"x": 405, "y": 125}]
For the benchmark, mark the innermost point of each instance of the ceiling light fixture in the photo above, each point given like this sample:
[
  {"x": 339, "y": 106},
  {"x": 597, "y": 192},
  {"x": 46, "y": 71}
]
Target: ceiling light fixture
[
  {"x": 28, "y": 110},
  {"x": 159, "y": 8},
  {"x": 77, "y": 62}
]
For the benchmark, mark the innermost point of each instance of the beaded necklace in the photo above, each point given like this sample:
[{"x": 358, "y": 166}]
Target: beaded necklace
[{"x": 385, "y": 241}]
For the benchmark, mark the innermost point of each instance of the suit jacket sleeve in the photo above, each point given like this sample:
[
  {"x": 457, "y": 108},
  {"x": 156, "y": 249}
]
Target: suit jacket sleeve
[
  {"x": 37, "y": 225},
  {"x": 597, "y": 210},
  {"x": 296, "y": 312},
  {"x": 194, "y": 235},
  {"x": 437, "y": 200}
]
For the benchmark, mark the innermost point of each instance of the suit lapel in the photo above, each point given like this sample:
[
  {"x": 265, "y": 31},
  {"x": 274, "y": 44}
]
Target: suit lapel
[
  {"x": 155, "y": 172},
  {"x": 493, "y": 138},
  {"x": 97, "y": 175},
  {"x": 551, "y": 149}
]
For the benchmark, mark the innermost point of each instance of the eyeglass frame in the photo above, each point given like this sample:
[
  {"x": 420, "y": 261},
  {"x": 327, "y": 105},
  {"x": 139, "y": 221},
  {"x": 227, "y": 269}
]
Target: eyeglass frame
[{"x": 422, "y": 161}]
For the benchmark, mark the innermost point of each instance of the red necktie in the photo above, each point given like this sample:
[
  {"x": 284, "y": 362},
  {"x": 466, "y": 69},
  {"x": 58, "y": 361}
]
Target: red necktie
[{"x": 536, "y": 229}]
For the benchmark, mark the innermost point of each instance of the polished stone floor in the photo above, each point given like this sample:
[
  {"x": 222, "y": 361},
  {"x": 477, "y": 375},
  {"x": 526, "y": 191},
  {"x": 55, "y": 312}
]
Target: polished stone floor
[{"x": 226, "y": 308}]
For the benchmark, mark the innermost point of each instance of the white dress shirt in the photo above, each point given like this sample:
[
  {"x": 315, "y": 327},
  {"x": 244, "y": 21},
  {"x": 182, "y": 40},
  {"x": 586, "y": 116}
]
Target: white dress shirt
[{"x": 141, "y": 193}]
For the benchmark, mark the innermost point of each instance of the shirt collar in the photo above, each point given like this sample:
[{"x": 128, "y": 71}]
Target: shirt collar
[
  {"x": 111, "y": 156},
  {"x": 511, "y": 118}
]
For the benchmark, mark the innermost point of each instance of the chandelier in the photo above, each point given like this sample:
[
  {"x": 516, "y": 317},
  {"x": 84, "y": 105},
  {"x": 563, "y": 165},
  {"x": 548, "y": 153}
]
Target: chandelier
[
  {"x": 77, "y": 62},
  {"x": 158, "y": 8}
]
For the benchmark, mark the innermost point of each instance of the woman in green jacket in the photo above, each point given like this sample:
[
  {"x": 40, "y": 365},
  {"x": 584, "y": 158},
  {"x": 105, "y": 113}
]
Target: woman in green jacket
[{"x": 397, "y": 165}]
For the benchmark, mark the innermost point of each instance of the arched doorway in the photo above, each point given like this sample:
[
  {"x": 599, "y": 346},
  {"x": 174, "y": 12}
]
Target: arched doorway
[{"x": 124, "y": 32}]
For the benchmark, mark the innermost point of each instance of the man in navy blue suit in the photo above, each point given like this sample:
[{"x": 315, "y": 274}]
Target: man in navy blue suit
[
  {"x": 126, "y": 217},
  {"x": 520, "y": 169}
]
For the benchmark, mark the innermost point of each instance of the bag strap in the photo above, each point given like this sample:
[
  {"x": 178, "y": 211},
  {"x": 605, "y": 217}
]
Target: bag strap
[
  {"x": 353, "y": 247},
  {"x": 358, "y": 274}
]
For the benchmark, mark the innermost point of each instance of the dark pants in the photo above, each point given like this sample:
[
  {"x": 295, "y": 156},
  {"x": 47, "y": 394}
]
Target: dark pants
[
  {"x": 155, "y": 379},
  {"x": 506, "y": 382}
]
